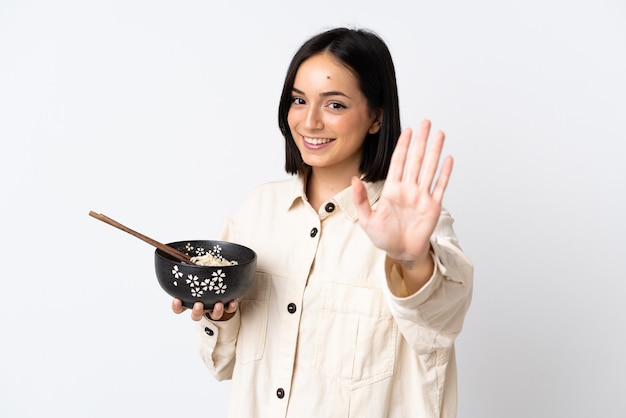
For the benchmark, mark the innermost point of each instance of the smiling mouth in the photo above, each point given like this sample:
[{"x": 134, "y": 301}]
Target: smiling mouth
[{"x": 316, "y": 141}]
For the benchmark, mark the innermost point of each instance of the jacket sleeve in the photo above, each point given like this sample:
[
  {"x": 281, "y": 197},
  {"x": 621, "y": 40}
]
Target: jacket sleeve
[
  {"x": 217, "y": 344},
  {"x": 431, "y": 318},
  {"x": 218, "y": 339}
]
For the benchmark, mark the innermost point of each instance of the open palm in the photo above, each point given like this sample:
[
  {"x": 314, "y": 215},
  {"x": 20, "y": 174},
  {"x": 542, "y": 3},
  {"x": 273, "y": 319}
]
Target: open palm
[{"x": 408, "y": 210}]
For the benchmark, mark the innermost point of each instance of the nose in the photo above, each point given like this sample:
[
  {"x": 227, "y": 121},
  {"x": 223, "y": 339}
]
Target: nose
[{"x": 313, "y": 118}]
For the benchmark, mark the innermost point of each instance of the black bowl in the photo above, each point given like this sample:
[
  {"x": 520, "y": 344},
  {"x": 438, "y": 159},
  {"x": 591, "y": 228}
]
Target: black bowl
[{"x": 207, "y": 284}]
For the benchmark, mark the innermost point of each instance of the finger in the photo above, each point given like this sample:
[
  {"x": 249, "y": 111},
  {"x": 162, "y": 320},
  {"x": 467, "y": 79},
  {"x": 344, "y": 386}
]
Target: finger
[
  {"x": 430, "y": 166},
  {"x": 232, "y": 307},
  {"x": 197, "y": 312},
  {"x": 444, "y": 178},
  {"x": 361, "y": 202},
  {"x": 217, "y": 312},
  {"x": 398, "y": 158},
  {"x": 177, "y": 306},
  {"x": 417, "y": 152}
]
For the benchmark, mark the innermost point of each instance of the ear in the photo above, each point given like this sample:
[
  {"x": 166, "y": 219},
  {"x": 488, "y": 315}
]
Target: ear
[{"x": 376, "y": 124}]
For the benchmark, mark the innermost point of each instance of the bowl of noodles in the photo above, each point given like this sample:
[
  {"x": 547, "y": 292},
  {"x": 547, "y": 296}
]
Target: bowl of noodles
[{"x": 219, "y": 271}]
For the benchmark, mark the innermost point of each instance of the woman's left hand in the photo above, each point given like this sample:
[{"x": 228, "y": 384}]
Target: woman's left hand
[{"x": 408, "y": 210}]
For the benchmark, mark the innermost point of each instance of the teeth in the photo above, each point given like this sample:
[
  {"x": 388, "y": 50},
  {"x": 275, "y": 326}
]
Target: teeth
[{"x": 317, "y": 141}]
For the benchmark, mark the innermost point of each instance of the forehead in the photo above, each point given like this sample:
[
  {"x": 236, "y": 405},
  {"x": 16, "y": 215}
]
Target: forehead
[{"x": 325, "y": 71}]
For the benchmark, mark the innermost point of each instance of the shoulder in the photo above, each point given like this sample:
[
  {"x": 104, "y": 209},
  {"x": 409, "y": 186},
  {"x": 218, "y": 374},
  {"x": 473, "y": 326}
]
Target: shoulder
[
  {"x": 285, "y": 190},
  {"x": 261, "y": 208},
  {"x": 272, "y": 196}
]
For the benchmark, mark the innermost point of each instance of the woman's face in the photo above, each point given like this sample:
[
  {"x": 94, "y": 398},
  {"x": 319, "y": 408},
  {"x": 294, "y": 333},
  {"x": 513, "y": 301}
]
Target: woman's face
[{"x": 329, "y": 116}]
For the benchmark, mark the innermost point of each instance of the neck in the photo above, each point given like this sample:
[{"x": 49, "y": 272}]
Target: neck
[{"x": 324, "y": 184}]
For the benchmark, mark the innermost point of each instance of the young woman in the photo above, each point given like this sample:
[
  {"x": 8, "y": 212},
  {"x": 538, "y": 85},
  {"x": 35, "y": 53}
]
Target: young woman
[{"x": 361, "y": 286}]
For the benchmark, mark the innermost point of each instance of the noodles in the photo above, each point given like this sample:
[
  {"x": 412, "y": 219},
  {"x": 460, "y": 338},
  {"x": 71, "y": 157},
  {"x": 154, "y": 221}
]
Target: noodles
[{"x": 210, "y": 260}]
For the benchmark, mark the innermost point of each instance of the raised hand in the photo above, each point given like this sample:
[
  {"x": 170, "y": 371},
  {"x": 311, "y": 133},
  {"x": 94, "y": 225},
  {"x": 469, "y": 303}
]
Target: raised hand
[{"x": 409, "y": 207}]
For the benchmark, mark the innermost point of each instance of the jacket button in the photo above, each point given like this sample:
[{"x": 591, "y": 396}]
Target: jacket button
[
  {"x": 329, "y": 207},
  {"x": 313, "y": 232},
  {"x": 280, "y": 393},
  {"x": 208, "y": 331},
  {"x": 291, "y": 308}
]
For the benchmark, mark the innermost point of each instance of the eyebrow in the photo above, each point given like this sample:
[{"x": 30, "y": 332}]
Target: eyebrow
[{"x": 324, "y": 94}]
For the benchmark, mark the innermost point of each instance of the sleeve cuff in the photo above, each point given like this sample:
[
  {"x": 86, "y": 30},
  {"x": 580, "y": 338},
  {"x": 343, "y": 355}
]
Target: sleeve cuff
[
  {"x": 395, "y": 281},
  {"x": 213, "y": 332}
]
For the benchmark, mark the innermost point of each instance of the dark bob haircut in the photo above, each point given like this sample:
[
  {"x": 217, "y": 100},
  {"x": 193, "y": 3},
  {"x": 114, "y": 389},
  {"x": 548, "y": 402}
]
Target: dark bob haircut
[{"x": 367, "y": 56}]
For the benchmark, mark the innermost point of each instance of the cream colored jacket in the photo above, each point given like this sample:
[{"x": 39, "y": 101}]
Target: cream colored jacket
[{"x": 320, "y": 334}]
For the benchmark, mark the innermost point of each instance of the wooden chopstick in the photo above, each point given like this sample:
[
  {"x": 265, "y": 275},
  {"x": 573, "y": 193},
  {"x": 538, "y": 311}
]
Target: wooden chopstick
[{"x": 163, "y": 247}]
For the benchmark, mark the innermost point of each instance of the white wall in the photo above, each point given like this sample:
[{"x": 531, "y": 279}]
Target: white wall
[{"x": 154, "y": 113}]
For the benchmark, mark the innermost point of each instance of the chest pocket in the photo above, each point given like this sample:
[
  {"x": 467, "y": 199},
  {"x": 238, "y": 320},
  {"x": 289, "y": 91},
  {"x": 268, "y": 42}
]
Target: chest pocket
[
  {"x": 253, "y": 308},
  {"x": 355, "y": 338}
]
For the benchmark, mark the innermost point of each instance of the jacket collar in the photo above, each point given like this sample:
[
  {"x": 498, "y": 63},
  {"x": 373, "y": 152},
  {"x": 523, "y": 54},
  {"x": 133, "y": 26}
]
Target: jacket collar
[{"x": 297, "y": 195}]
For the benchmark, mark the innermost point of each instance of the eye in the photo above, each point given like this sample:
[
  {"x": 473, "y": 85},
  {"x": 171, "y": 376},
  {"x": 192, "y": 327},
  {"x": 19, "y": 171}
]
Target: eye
[
  {"x": 297, "y": 101},
  {"x": 336, "y": 106}
]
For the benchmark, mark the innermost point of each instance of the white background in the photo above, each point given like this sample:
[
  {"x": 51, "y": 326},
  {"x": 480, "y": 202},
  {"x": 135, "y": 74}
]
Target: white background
[{"x": 161, "y": 114}]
